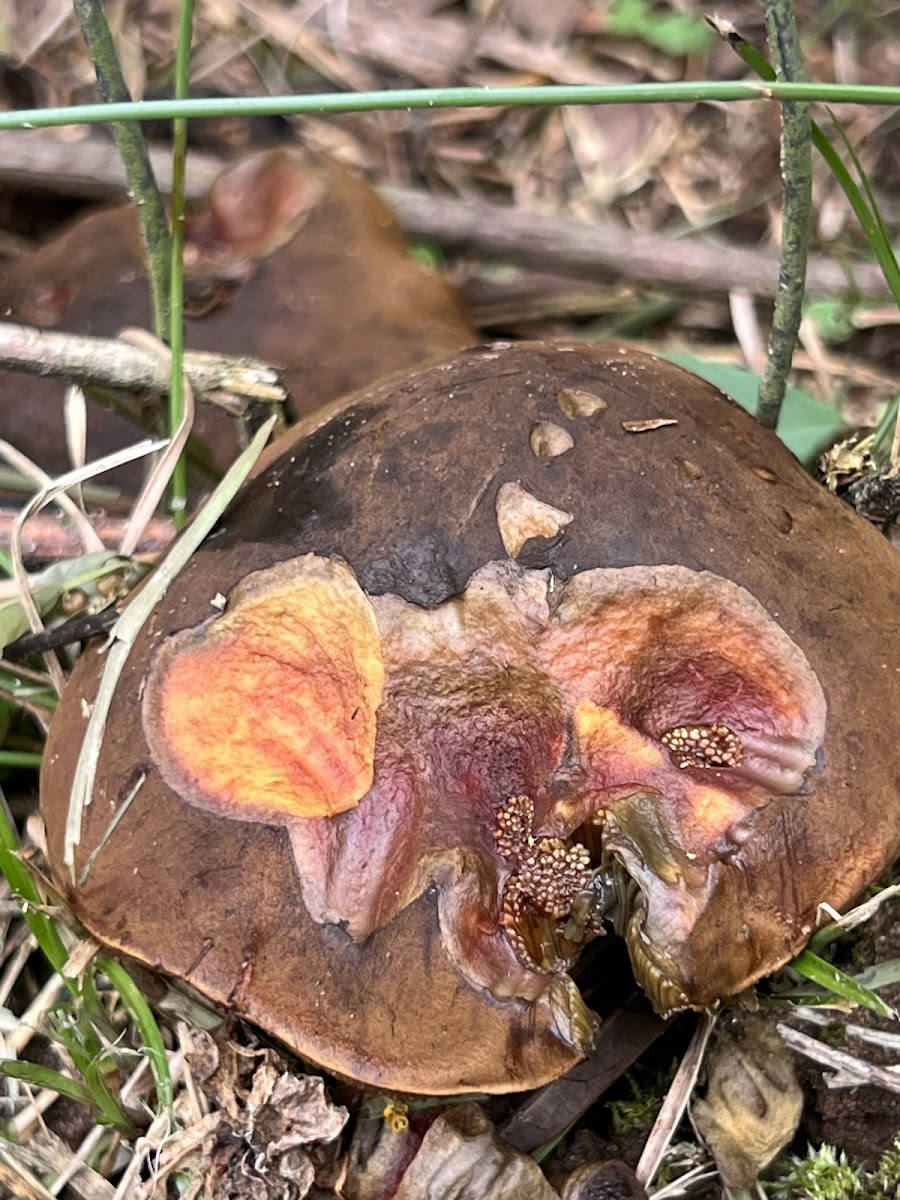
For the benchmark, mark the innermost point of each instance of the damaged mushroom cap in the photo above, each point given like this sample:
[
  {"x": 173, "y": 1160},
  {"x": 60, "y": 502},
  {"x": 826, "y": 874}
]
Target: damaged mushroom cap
[{"x": 665, "y": 713}]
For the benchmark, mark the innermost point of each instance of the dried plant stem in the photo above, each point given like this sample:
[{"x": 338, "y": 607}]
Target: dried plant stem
[
  {"x": 92, "y": 169},
  {"x": 18, "y": 1179},
  {"x": 45, "y": 538},
  {"x": 112, "y": 363},
  {"x": 675, "y": 1102},
  {"x": 796, "y": 173},
  {"x": 839, "y": 1060},
  {"x": 133, "y": 149}
]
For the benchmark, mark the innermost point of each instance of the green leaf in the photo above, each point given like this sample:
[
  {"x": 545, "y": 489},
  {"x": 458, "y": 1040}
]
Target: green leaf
[
  {"x": 833, "y": 319},
  {"x": 817, "y": 970},
  {"x": 44, "y": 1077},
  {"x": 807, "y": 425}
]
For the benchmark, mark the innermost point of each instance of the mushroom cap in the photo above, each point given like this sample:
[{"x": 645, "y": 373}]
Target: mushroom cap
[
  {"x": 282, "y": 231},
  {"x": 675, "y": 629}
]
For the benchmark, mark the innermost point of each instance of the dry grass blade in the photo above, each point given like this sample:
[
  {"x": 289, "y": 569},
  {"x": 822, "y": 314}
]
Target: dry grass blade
[
  {"x": 859, "y": 915},
  {"x": 89, "y": 539},
  {"x": 75, "y": 1164},
  {"x": 46, "y": 1152},
  {"x": 146, "y": 504},
  {"x": 33, "y": 1016},
  {"x": 21, "y": 1182},
  {"x": 150, "y": 1143},
  {"x": 111, "y": 828},
  {"x": 53, "y": 489},
  {"x": 675, "y": 1102},
  {"x": 685, "y": 1184},
  {"x": 75, "y": 421}
]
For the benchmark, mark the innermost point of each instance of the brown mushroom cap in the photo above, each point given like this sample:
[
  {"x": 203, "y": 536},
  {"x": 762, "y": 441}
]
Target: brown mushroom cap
[
  {"x": 683, "y": 678},
  {"x": 282, "y": 231}
]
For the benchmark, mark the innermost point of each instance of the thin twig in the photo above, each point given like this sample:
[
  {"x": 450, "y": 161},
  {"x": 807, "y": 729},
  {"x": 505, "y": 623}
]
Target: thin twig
[
  {"x": 113, "y": 363},
  {"x": 796, "y": 173},
  {"x": 839, "y": 1060},
  {"x": 698, "y": 262},
  {"x": 133, "y": 149},
  {"x": 46, "y": 539}
]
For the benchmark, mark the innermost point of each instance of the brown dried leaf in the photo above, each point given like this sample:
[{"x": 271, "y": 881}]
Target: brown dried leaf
[
  {"x": 461, "y": 1155},
  {"x": 753, "y": 1101}
]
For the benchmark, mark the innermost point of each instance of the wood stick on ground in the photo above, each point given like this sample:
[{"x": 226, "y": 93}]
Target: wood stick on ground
[
  {"x": 622, "y": 1039},
  {"x": 699, "y": 263},
  {"x": 108, "y": 362},
  {"x": 46, "y": 538},
  {"x": 838, "y": 1060}
]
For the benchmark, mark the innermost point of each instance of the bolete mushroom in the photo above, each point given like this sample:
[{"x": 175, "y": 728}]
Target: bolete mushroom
[
  {"x": 476, "y": 693},
  {"x": 290, "y": 258}
]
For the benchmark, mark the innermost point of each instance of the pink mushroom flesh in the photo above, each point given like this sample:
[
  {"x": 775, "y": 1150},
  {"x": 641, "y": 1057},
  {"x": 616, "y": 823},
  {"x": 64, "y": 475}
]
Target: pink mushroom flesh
[{"x": 547, "y": 754}]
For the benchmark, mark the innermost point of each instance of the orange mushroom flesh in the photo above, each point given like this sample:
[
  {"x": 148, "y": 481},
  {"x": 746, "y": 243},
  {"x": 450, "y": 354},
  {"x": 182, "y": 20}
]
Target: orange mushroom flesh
[
  {"x": 269, "y": 710},
  {"x": 535, "y": 747}
]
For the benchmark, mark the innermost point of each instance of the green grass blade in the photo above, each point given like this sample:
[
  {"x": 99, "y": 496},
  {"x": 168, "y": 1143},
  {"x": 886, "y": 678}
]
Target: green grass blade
[
  {"x": 19, "y": 758},
  {"x": 401, "y": 99},
  {"x": 22, "y": 885},
  {"x": 818, "y": 971},
  {"x": 110, "y": 1111},
  {"x": 874, "y": 227},
  {"x": 44, "y": 1077},
  {"x": 140, "y": 1012},
  {"x": 864, "y": 208},
  {"x": 886, "y": 430},
  {"x": 178, "y": 493}
]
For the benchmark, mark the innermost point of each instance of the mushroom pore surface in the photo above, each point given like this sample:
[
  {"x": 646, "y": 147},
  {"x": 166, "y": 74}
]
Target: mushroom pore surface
[{"x": 664, "y": 713}]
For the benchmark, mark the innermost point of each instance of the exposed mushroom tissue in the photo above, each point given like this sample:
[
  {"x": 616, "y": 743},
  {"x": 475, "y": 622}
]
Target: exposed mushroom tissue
[
  {"x": 404, "y": 776},
  {"x": 704, "y": 746},
  {"x": 506, "y": 724}
]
